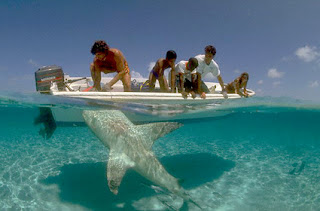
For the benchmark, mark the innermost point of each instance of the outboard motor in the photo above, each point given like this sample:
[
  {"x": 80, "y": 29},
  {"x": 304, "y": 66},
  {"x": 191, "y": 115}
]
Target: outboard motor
[
  {"x": 44, "y": 76},
  {"x": 47, "y": 74}
]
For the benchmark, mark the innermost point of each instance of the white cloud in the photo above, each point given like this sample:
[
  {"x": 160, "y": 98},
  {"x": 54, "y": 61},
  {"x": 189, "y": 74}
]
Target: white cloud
[
  {"x": 313, "y": 84},
  {"x": 274, "y": 73},
  {"x": 276, "y": 83},
  {"x": 260, "y": 82},
  {"x": 307, "y": 53},
  {"x": 135, "y": 74},
  {"x": 151, "y": 65},
  {"x": 237, "y": 71},
  {"x": 33, "y": 63}
]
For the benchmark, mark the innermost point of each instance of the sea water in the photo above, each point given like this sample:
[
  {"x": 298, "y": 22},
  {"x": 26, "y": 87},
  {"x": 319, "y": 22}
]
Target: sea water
[{"x": 264, "y": 154}]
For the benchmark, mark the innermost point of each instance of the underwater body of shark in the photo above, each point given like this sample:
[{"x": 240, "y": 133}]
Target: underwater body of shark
[{"x": 130, "y": 147}]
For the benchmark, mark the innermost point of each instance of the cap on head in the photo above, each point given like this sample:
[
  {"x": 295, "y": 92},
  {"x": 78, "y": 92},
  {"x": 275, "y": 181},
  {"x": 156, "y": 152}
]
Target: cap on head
[{"x": 99, "y": 46}]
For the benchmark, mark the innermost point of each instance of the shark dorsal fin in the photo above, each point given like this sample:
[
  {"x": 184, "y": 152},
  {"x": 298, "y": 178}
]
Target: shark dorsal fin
[
  {"x": 153, "y": 131},
  {"x": 117, "y": 166}
]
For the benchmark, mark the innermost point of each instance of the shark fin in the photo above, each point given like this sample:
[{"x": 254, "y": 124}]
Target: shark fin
[
  {"x": 117, "y": 166},
  {"x": 153, "y": 131}
]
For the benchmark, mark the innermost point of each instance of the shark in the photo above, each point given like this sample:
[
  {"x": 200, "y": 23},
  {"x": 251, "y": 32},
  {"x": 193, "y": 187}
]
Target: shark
[{"x": 130, "y": 146}]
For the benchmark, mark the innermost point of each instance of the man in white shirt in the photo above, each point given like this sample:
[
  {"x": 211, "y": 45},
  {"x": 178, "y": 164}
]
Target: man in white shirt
[
  {"x": 185, "y": 78},
  {"x": 208, "y": 65}
]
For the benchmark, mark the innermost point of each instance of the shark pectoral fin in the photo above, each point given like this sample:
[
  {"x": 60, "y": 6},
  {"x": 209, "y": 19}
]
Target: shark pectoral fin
[
  {"x": 117, "y": 166},
  {"x": 153, "y": 131}
]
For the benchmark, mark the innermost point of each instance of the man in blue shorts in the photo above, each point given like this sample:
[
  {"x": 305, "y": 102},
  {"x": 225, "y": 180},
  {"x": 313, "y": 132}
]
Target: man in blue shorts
[{"x": 157, "y": 73}]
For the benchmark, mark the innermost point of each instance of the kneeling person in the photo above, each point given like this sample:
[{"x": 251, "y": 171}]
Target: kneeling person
[
  {"x": 157, "y": 73},
  {"x": 109, "y": 60},
  {"x": 208, "y": 66},
  {"x": 186, "y": 78}
]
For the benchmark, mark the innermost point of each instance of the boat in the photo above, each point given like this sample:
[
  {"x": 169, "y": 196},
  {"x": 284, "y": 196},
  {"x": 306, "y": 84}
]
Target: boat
[
  {"x": 153, "y": 106},
  {"x": 52, "y": 80}
]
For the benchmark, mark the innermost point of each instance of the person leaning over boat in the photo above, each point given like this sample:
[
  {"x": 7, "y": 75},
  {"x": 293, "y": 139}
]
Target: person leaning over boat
[
  {"x": 157, "y": 72},
  {"x": 208, "y": 65},
  {"x": 109, "y": 60},
  {"x": 186, "y": 78},
  {"x": 237, "y": 84}
]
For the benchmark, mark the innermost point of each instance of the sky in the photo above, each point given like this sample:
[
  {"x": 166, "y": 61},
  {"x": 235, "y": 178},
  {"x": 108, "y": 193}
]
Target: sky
[{"x": 276, "y": 42}]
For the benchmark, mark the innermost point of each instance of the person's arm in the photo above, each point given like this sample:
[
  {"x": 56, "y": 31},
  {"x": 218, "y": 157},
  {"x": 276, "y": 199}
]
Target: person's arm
[
  {"x": 173, "y": 78},
  {"x": 194, "y": 81},
  {"x": 223, "y": 91},
  {"x": 237, "y": 87},
  {"x": 198, "y": 82},
  {"x": 177, "y": 73},
  {"x": 200, "y": 71},
  {"x": 173, "y": 81},
  {"x": 245, "y": 89},
  {"x": 96, "y": 77},
  {"x": 119, "y": 59},
  {"x": 244, "y": 93},
  {"x": 203, "y": 94},
  {"x": 181, "y": 81}
]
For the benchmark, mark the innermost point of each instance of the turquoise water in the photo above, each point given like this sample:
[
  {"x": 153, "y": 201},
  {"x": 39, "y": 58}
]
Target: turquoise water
[{"x": 262, "y": 154}]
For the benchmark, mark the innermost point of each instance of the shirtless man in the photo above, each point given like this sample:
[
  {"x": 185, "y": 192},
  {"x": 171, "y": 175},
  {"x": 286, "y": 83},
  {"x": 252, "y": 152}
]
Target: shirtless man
[
  {"x": 109, "y": 60},
  {"x": 157, "y": 73},
  {"x": 208, "y": 65}
]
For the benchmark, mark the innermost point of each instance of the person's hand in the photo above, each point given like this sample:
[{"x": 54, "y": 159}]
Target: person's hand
[
  {"x": 203, "y": 95},
  {"x": 184, "y": 95},
  {"x": 193, "y": 94},
  {"x": 224, "y": 93},
  {"x": 106, "y": 88}
]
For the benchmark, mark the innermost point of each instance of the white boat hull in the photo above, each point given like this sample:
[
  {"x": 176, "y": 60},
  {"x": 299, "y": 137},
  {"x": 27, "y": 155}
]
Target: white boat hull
[{"x": 154, "y": 106}]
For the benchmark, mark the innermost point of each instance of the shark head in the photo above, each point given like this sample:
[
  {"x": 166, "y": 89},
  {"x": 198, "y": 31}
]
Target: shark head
[
  {"x": 112, "y": 127},
  {"x": 111, "y": 124},
  {"x": 114, "y": 186}
]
